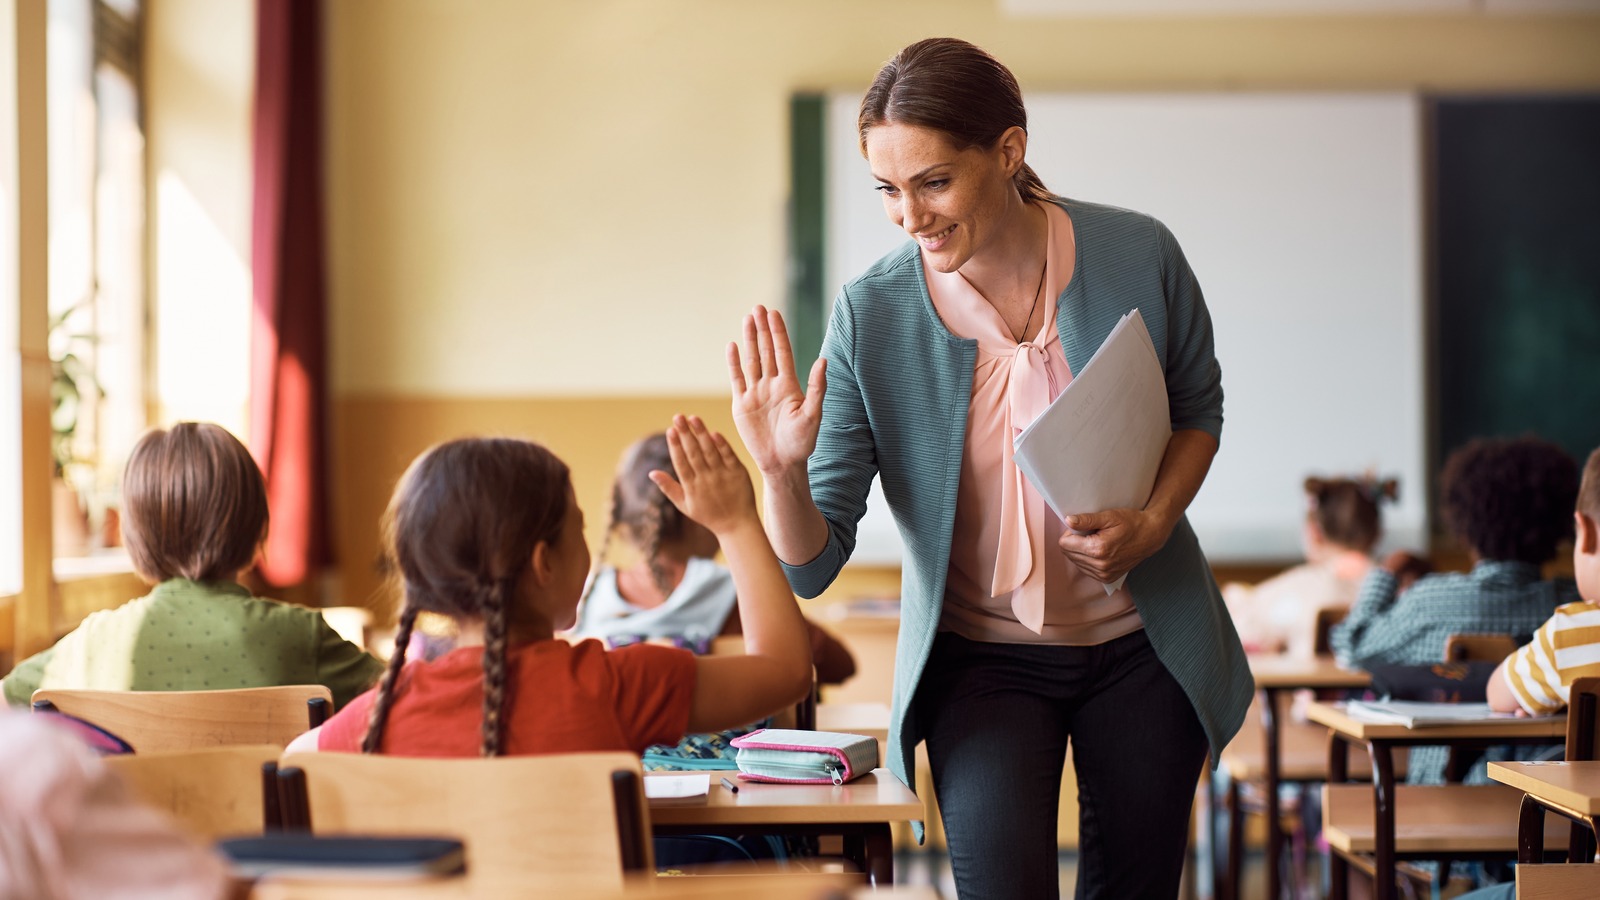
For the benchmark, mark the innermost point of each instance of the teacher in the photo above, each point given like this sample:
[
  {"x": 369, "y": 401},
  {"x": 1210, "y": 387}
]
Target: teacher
[{"x": 934, "y": 358}]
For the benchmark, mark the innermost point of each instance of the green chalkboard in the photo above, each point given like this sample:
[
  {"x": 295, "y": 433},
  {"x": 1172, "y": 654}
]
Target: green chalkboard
[{"x": 1515, "y": 226}]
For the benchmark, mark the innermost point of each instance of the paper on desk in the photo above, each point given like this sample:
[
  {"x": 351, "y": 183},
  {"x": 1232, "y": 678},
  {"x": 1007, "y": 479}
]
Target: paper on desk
[
  {"x": 1099, "y": 444},
  {"x": 672, "y": 787},
  {"x": 1417, "y": 714}
]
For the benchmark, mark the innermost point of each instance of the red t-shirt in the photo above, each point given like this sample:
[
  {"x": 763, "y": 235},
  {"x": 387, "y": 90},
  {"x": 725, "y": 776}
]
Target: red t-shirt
[{"x": 560, "y": 698}]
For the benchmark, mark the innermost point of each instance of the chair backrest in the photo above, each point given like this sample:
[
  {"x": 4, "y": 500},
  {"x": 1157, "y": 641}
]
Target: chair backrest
[
  {"x": 1583, "y": 720},
  {"x": 191, "y": 720},
  {"x": 216, "y": 792},
  {"x": 1478, "y": 647},
  {"x": 1327, "y": 617},
  {"x": 560, "y": 822}
]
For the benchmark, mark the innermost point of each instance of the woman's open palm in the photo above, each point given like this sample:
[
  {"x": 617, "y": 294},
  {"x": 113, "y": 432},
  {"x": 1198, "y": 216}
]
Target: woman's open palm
[{"x": 776, "y": 420}]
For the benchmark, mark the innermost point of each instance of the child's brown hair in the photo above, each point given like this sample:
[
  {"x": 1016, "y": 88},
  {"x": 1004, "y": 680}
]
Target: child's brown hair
[
  {"x": 1345, "y": 510},
  {"x": 640, "y": 510},
  {"x": 460, "y": 532},
  {"x": 1589, "y": 489},
  {"x": 1510, "y": 498},
  {"x": 194, "y": 504}
]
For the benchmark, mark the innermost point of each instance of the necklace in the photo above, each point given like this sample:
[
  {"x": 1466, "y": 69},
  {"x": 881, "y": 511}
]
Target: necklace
[{"x": 1036, "y": 293}]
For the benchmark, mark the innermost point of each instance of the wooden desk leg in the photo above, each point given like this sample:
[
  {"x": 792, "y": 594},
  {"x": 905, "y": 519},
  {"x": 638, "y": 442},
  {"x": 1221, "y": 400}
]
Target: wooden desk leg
[
  {"x": 1230, "y": 884},
  {"x": 879, "y": 847},
  {"x": 1530, "y": 831},
  {"x": 1269, "y": 722},
  {"x": 1383, "y": 804},
  {"x": 1338, "y": 773}
]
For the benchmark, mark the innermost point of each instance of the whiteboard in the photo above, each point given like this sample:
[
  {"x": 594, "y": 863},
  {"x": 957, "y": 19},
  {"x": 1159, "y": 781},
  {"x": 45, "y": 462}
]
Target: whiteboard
[{"x": 1301, "y": 215}]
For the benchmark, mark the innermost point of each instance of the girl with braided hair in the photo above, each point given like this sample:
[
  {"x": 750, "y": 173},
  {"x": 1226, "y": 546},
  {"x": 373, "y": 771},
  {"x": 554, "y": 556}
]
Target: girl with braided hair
[
  {"x": 488, "y": 532},
  {"x": 674, "y": 590}
]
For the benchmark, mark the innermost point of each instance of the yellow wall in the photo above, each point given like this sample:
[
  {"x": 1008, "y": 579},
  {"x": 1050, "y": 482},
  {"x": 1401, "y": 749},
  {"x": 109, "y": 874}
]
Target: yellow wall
[{"x": 582, "y": 197}]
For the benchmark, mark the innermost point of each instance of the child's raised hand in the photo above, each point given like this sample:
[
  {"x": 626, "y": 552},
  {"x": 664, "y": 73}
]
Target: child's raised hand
[{"x": 712, "y": 486}]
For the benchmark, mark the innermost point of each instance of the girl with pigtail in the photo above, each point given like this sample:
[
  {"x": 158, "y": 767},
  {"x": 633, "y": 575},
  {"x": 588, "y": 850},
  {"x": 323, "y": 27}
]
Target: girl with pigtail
[
  {"x": 1342, "y": 526},
  {"x": 673, "y": 590},
  {"x": 488, "y": 533}
]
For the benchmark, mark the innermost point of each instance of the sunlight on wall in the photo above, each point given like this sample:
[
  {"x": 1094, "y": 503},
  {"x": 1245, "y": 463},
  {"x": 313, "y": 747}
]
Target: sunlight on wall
[{"x": 203, "y": 322}]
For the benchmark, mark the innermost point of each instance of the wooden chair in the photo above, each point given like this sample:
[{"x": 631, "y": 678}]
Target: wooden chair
[
  {"x": 557, "y": 823},
  {"x": 215, "y": 792},
  {"x": 191, "y": 720},
  {"x": 1478, "y": 647},
  {"x": 1583, "y": 742},
  {"x": 1327, "y": 617}
]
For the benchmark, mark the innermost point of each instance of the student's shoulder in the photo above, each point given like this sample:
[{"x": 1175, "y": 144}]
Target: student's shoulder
[{"x": 1578, "y": 614}]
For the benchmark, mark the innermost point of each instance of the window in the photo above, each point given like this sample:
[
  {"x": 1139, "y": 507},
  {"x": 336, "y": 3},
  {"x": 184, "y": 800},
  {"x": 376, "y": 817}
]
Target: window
[{"x": 97, "y": 309}]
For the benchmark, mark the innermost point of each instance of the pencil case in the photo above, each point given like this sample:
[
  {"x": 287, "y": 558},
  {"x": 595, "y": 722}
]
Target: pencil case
[{"x": 792, "y": 756}]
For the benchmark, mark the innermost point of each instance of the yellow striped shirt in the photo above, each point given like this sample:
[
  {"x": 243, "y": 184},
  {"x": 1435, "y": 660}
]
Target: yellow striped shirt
[{"x": 1564, "y": 649}]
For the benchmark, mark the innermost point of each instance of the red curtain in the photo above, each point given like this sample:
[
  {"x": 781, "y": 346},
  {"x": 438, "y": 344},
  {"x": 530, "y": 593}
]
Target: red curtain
[{"x": 289, "y": 331}]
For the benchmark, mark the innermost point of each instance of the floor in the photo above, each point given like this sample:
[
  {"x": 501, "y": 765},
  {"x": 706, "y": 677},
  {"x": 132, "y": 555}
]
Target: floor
[{"x": 932, "y": 868}]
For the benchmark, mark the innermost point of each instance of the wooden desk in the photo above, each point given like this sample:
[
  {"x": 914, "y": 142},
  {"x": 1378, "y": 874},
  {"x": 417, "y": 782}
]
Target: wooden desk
[
  {"x": 768, "y": 886},
  {"x": 1276, "y": 677},
  {"x": 859, "y": 811},
  {"x": 1380, "y": 740},
  {"x": 1570, "y": 789}
]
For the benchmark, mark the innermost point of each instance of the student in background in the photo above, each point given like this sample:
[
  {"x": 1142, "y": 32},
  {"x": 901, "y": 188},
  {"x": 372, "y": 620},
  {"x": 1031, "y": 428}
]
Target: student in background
[
  {"x": 1508, "y": 501},
  {"x": 194, "y": 515},
  {"x": 674, "y": 589},
  {"x": 1537, "y": 679},
  {"x": 1341, "y": 527},
  {"x": 488, "y": 532}
]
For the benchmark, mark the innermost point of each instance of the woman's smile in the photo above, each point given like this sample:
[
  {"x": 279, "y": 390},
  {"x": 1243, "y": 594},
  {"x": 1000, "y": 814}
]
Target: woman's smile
[{"x": 934, "y": 241}]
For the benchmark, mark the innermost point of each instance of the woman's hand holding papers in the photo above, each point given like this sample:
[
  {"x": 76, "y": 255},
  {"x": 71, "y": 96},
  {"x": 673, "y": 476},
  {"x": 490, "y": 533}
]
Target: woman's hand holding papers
[{"x": 1106, "y": 545}]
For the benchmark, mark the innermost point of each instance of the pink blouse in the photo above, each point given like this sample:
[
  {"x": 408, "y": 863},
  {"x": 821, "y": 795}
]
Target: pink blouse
[{"x": 1008, "y": 579}]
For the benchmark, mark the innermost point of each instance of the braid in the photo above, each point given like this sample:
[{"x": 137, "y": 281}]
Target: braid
[
  {"x": 494, "y": 665},
  {"x": 655, "y": 519},
  {"x": 379, "y": 717}
]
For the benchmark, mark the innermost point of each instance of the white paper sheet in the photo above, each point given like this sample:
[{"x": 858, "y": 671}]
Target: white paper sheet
[
  {"x": 672, "y": 787},
  {"x": 1099, "y": 445}
]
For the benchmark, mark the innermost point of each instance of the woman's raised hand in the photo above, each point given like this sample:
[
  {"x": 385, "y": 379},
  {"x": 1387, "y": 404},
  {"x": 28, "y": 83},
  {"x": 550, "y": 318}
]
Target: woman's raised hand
[
  {"x": 776, "y": 420},
  {"x": 712, "y": 486}
]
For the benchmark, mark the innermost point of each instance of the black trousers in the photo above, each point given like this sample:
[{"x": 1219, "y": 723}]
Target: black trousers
[{"x": 997, "y": 719}]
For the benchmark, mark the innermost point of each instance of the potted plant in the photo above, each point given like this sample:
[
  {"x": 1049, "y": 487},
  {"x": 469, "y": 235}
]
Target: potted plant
[{"x": 71, "y": 380}]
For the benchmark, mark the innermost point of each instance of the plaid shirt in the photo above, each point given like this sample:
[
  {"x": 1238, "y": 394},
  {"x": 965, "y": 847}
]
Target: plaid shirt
[{"x": 1410, "y": 628}]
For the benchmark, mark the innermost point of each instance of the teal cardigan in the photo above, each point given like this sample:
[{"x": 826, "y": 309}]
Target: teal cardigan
[{"x": 899, "y": 387}]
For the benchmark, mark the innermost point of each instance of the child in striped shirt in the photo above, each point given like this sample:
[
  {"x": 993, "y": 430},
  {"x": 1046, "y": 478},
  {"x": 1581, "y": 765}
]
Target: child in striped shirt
[{"x": 1537, "y": 678}]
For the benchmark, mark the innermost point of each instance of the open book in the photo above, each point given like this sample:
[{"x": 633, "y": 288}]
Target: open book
[
  {"x": 1416, "y": 714},
  {"x": 1099, "y": 444}
]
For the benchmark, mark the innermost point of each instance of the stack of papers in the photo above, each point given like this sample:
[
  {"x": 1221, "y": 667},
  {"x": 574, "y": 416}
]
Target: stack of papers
[
  {"x": 1414, "y": 714},
  {"x": 1100, "y": 443}
]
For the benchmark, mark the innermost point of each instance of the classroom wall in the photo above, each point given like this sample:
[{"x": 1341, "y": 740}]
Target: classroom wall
[
  {"x": 200, "y": 88},
  {"x": 547, "y": 218}
]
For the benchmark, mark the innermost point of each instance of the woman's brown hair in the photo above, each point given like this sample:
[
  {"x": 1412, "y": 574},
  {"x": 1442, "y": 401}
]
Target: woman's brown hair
[
  {"x": 460, "y": 532},
  {"x": 954, "y": 87},
  {"x": 194, "y": 504},
  {"x": 1346, "y": 510}
]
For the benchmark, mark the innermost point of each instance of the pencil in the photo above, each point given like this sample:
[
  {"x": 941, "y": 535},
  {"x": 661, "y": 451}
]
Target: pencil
[{"x": 732, "y": 788}]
